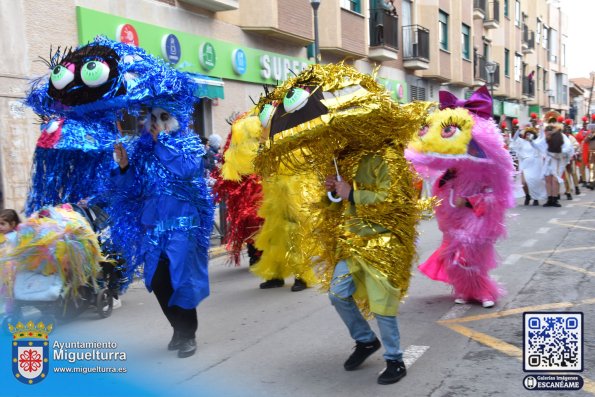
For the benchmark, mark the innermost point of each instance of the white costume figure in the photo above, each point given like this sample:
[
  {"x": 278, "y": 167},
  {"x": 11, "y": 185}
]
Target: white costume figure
[{"x": 531, "y": 162}]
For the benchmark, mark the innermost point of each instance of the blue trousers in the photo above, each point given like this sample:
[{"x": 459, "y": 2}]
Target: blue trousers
[{"x": 340, "y": 294}]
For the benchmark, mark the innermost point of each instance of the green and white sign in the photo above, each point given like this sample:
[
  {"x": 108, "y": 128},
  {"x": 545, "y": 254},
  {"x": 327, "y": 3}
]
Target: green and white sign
[{"x": 197, "y": 54}]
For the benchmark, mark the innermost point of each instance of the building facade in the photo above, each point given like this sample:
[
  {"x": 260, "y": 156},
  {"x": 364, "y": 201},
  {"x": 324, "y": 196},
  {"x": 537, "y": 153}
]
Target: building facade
[{"x": 416, "y": 48}]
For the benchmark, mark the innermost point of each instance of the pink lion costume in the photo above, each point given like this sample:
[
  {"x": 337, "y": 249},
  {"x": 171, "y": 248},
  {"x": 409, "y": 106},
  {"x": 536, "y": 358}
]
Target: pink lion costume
[{"x": 461, "y": 145}]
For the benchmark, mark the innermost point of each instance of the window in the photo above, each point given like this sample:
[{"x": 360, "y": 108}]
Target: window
[
  {"x": 563, "y": 54},
  {"x": 486, "y": 51},
  {"x": 506, "y": 8},
  {"x": 352, "y": 5},
  {"x": 538, "y": 33},
  {"x": 465, "y": 44},
  {"x": 537, "y": 77},
  {"x": 518, "y": 61},
  {"x": 544, "y": 80},
  {"x": 417, "y": 93},
  {"x": 443, "y": 31},
  {"x": 517, "y": 13},
  {"x": 506, "y": 62},
  {"x": 545, "y": 34}
]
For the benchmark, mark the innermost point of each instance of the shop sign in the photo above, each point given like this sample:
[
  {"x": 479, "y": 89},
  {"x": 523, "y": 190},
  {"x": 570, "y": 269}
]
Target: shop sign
[
  {"x": 207, "y": 56},
  {"x": 239, "y": 63},
  {"x": 126, "y": 34},
  {"x": 277, "y": 68},
  {"x": 170, "y": 48}
]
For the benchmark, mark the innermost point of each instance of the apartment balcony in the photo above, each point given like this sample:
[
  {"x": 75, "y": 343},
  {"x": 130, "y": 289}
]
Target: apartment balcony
[
  {"x": 215, "y": 5},
  {"x": 528, "y": 40},
  {"x": 416, "y": 47},
  {"x": 492, "y": 19},
  {"x": 384, "y": 35},
  {"x": 272, "y": 18},
  {"x": 528, "y": 89},
  {"x": 479, "y": 9},
  {"x": 480, "y": 73}
]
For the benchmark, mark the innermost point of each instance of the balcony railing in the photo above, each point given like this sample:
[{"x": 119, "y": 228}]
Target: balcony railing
[
  {"x": 416, "y": 43},
  {"x": 528, "y": 87},
  {"x": 384, "y": 29},
  {"x": 479, "y": 5},
  {"x": 480, "y": 72},
  {"x": 528, "y": 39},
  {"x": 492, "y": 20}
]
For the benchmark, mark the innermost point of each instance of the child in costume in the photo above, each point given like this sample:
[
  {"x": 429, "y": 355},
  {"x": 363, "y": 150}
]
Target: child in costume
[
  {"x": 9, "y": 221},
  {"x": 461, "y": 141},
  {"x": 365, "y": 243}
]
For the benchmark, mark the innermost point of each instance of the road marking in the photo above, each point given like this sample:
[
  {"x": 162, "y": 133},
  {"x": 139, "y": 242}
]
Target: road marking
[
  {"x": 512, "y": 259},
  {"x": 455, "y": 312},
  {"x": 413, "y": 353},
  {"x": 553, "y": 220},
  {"x": 543, "y": 230},
  {"x": 569, "y": 205},
  {"x": 557, "y": 250},
  {"x": 529, "y": 243},
  {"x": 569, "y": 267},
  {"x": 562, "y": 213}
]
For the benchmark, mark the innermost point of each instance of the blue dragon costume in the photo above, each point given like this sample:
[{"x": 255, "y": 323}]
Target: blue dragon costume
[{"x": 161, "y": 205}]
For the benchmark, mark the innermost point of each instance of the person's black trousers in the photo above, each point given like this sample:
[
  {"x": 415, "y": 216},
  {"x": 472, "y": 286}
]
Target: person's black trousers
[{"x": 184, "y": 321}]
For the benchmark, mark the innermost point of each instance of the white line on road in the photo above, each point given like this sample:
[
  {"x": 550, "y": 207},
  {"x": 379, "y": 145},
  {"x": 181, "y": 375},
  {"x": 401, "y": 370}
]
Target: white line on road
[
  {"x": 553, "y": 220},
  {"x": 529, "y": 243},
  {"x": 569, "y": 205},
  {"x": 512, "y": 259},
  {"x": 542, "y": 230},
  {"x": 412, "y": 353},
  {"x": 455, "y": 312},
  {"x": 562, "y": 213}
]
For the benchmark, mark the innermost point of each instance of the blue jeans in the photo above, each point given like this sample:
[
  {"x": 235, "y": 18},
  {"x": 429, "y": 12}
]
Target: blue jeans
[{"x": 340, "y": 294}]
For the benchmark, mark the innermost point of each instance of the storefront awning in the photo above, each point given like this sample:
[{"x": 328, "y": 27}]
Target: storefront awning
[{"x": 209, "y": 87}]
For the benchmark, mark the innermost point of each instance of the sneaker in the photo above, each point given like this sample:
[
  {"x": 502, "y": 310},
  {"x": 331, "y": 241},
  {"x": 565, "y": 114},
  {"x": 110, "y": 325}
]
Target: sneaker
[
  {"x": 394, "y": 371},
  {"x": 488, "y": 303},
  {"x": 117, "y": 304},
  {"x": 299, "y": 285},
  {"x": 187, "y": 347},
  {"x": 175, "y": 342},
  {"x": 362, "y": 351},
  {"x": 273, "y": 283},
  {"x": 460, "y": 301}
]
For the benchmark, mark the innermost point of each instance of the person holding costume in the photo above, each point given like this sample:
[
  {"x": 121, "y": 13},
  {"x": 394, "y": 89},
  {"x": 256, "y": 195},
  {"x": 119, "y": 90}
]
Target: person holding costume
[
  {"x": 461, "y": 141},
  {"x": 334, "y": 120},
  {"x": 166, "y": 171}
]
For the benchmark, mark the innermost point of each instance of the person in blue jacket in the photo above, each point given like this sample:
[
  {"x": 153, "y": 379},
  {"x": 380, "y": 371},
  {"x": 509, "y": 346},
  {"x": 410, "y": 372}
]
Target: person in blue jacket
[{"x": 165, "y": 172}]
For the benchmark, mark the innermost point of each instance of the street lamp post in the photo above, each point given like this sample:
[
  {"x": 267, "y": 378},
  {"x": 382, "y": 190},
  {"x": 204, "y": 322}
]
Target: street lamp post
[
  {"x": 491, "y": 69},
  {"x": 315, "y": 4}
]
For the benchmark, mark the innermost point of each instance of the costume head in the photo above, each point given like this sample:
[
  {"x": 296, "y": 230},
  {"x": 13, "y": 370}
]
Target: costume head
[
  {"x": 97, "y": 80},
  {"x": 327, "y": 110},
  {"x": 463, "y": 136}
]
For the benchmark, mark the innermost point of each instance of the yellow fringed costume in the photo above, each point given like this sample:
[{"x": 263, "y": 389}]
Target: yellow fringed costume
[
  {"x": 334, "y": 111},
  {"x": 283, "y": 236}
]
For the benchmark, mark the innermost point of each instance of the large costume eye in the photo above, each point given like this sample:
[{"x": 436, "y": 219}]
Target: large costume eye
[
  {"x": 95, "y": 73},
  {"x": 295, "y": 99},
  {"x": 266, "y": 114},
  {"x": 423, "y": 131},
  {"x": 450, "y": 130},
  {"x": 62, "y": 75}
]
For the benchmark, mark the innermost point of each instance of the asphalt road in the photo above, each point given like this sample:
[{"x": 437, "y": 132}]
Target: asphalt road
[{"x": 280, "y": 343}]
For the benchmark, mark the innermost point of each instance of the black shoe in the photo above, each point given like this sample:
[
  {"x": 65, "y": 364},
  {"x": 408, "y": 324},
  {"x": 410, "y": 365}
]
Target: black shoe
[
  {"x": 549, "y": 202},
  {"x": 187, "y": 347},
  {"x": 577, "y": 191},
  {"x": 568, "y": 196},
  {"x": 555, "y": 203},
  {"x": 273, "y": 283},
  {"x": 175, "y": 342},
  {"x": 362, "y": 351},
  {"x": 299, "y": 285},
  {"x": 395, "y": 370},
  {"x": 535, "y": 202},
  {"x": 527, "y": 199}
]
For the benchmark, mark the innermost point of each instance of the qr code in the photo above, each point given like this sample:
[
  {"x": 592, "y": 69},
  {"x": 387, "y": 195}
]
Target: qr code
[{"x": 553, "y": 341}]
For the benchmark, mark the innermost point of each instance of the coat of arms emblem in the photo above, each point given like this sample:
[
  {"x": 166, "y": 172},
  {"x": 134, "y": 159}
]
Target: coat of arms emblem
[{"x": 30, "y": 351}]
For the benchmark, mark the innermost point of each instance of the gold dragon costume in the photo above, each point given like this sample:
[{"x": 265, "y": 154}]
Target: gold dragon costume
[{"x": 334, "y": 111}]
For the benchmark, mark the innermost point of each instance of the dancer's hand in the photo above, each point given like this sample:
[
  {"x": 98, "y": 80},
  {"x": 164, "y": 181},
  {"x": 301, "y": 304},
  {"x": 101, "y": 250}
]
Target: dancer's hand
[
  {"x": 329, "y": 183},
  {"x": 343, "y": 189},
  {"x": 121, "y": 155}
]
